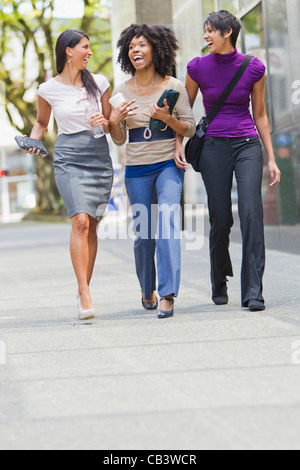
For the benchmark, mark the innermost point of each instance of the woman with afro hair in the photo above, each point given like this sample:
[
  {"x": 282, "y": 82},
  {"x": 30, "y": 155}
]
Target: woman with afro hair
[{"x": 154, "y": 170}]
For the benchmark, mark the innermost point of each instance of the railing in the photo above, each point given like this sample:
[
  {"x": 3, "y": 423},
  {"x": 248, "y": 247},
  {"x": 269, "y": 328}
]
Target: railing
[{"x": 16, "y": 196}]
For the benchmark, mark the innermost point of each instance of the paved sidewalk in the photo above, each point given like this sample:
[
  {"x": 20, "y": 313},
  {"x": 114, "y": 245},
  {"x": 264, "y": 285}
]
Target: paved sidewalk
[{"x": 210, "y": 378}]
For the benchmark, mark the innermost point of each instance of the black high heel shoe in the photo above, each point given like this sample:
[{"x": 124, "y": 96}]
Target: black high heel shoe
[
  {"x": 166, "y": 313},
  {"x": 220, "y": 295},
  {"x": 256, "y": 305},
  {"x": 149, "y": 305}
]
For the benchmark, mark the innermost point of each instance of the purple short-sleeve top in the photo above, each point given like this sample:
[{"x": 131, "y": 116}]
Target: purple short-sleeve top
[{"x": 213, "y": 73}]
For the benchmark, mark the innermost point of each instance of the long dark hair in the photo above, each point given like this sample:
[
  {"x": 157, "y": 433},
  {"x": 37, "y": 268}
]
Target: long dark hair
[{"x": 70, "y": 38}]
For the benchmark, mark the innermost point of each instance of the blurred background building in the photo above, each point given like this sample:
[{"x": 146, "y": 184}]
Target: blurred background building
[
  {"x": 270, "y": 32},
  {"x": 17, "y": 177}
]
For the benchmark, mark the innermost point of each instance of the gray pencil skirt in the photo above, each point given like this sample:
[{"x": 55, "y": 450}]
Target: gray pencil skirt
[{"x": 83, "y": 173}]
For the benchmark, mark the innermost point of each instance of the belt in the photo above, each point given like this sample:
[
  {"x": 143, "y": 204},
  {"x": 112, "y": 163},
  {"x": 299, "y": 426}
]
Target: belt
[{"x": 137, "y": 135}]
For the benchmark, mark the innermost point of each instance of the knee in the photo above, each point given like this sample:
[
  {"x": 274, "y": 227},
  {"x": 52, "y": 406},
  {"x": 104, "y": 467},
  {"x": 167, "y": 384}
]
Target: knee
[
  {"x": 80, "y": 224},
  {"x": 93, "y": 226},
  {"x": 222, "y": 224},
  {"x": 144, "y": 249}
]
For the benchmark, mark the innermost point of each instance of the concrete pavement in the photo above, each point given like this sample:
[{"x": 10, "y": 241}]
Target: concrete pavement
[{"x": 210, "y": 378}]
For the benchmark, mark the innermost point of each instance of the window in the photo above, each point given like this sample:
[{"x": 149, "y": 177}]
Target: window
[
  {"x": 254, "y": 32},
  {"x": 253, "y": 40},
  {"x": 207, "y": 7}
]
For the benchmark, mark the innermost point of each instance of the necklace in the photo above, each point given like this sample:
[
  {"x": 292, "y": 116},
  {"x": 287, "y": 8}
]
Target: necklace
[{"x": 148, "y": 132}]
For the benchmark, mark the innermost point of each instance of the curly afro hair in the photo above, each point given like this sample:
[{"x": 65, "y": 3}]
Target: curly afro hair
[{"x": 164, "y": 44}]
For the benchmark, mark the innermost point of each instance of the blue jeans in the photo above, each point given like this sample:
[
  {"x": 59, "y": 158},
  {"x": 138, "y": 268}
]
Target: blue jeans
[{"x": 155, "y": 203}]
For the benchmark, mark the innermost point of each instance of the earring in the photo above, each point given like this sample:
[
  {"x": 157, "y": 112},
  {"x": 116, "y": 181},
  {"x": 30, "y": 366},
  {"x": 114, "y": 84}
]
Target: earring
[{"x": 68, "y": 61}]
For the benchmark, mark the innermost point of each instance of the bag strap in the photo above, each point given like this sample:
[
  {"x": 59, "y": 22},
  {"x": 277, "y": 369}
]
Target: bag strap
[{"x": 229, "y": 88}]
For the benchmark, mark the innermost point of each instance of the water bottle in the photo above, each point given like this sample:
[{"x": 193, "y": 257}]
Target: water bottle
[{"x": 91, "y": 109}]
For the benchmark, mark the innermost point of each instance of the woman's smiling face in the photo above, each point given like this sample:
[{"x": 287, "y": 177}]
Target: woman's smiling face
[
  {"x": 80, "y": 54},
  {"x": 215, "y": 41},
  {"x": 140, "y": 53}
]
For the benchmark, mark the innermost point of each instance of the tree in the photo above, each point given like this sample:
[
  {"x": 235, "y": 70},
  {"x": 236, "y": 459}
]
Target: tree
[{"x": 28, "y": 32}]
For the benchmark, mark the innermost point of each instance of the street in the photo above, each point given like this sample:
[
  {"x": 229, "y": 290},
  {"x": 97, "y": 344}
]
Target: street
[{"x": 209, "y": 378}]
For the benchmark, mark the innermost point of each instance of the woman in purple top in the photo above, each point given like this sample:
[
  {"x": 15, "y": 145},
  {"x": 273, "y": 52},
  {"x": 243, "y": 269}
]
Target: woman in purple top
[{"x": 232, "y": 145}]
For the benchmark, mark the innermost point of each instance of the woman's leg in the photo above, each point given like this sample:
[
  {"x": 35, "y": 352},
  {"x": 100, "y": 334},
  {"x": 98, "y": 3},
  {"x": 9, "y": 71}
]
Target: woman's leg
[
  {"x": 80, "y": 242},
  {"x": 141, "y": 194},
  {"x": 169, "y": 190},
  {"x": 249, "y": 170},
  {"x": 217, "y": 173},
  {"x": 93, "y": 247}
]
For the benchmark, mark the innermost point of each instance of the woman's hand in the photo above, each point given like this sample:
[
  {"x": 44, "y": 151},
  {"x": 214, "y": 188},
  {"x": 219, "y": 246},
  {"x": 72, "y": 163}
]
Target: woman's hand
[
  {"x": 97, "y": 120},
  {"x": 163, "y": 114},
  {"x": 179, "y": 155},
  {"x": 32, "y": 151},
  {"x": 124, "y": 111},
  {"x": 263, "y": 127},
  {"x": 275, "y": 173}
]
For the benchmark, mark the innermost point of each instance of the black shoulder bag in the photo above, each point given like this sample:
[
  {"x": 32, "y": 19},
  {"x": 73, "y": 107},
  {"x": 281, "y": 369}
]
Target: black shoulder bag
[{"x": 194, "y": 145}]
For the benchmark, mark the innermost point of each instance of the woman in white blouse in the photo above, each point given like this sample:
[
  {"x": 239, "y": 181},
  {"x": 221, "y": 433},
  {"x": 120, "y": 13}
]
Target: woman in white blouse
[{"x": 82, "y": 164}]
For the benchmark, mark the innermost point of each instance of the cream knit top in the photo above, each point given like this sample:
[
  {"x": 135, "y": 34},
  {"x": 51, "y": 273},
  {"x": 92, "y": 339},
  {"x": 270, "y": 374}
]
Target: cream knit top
[{"x": 147, "y": 153}]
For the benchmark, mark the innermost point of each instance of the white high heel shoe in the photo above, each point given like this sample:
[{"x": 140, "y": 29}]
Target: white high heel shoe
[{"x": 85, "y": 314}]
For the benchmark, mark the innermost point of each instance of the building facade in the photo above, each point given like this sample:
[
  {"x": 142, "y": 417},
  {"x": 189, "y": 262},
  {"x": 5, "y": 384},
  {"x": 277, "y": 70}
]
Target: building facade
[{"x": 271, "y": 33}]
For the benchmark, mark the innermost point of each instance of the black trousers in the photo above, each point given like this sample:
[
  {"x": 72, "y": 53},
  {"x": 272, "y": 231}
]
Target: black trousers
[{"x": 220, "y": 158}]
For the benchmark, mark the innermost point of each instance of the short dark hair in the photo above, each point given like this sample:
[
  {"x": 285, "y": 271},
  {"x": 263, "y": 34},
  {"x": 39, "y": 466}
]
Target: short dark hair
[
  {"x": 224, "y": 21},
  {"x": 163, "y": 41},
  {"x": 70, "y": 38}
]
